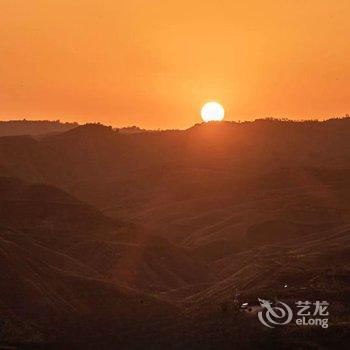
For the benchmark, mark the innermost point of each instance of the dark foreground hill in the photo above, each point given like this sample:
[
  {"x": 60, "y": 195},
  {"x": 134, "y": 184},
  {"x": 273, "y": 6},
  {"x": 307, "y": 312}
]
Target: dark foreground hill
[
  {"x": 66, "y": 269},
  {"x": 142, "y": 240}
]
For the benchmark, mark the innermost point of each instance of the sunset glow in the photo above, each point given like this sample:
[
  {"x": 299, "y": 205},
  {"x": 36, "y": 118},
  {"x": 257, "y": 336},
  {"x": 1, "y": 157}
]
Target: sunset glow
[{"x": 152, "y": 63}]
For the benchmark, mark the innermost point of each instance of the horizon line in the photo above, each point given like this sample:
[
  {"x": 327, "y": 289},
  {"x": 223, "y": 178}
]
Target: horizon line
[{"x": 237, "y": 121}]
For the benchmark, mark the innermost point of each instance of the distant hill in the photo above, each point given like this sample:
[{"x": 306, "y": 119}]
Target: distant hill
[
  {"x": 131, "y": 130},
  {"x": 33, "y": 127},
  {"x": 184, "y": 182},
  {"x": 42, "y": 127}
]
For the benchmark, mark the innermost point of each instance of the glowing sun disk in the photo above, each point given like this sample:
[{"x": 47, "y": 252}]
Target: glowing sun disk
[{"x": 212, "y": 111}]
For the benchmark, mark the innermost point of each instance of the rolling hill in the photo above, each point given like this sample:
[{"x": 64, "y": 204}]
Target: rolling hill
[{"x": 121, "y": 238}]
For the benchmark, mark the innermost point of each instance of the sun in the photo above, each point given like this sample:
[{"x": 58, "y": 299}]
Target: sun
[{"x": 212, "y": 111}]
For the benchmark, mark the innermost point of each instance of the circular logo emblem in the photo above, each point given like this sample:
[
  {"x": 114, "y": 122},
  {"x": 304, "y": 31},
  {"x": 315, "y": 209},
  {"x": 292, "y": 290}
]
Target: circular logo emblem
[{"x": 273, "y": 315}]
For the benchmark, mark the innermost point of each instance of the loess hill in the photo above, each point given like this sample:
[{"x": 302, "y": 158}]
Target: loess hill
[{"x": 150, "y": 233}]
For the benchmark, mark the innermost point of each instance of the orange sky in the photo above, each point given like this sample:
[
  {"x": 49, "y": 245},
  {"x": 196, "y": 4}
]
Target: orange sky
[{"x": 153, "y": 63}]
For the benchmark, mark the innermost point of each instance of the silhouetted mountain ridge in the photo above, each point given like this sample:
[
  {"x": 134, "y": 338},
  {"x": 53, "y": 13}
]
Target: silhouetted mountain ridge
[{"x": 33, "y": 127}]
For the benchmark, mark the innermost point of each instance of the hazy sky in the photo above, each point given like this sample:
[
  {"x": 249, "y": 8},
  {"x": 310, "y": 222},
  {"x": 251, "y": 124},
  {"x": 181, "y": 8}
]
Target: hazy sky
[{"x": 153, "y": 63}]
